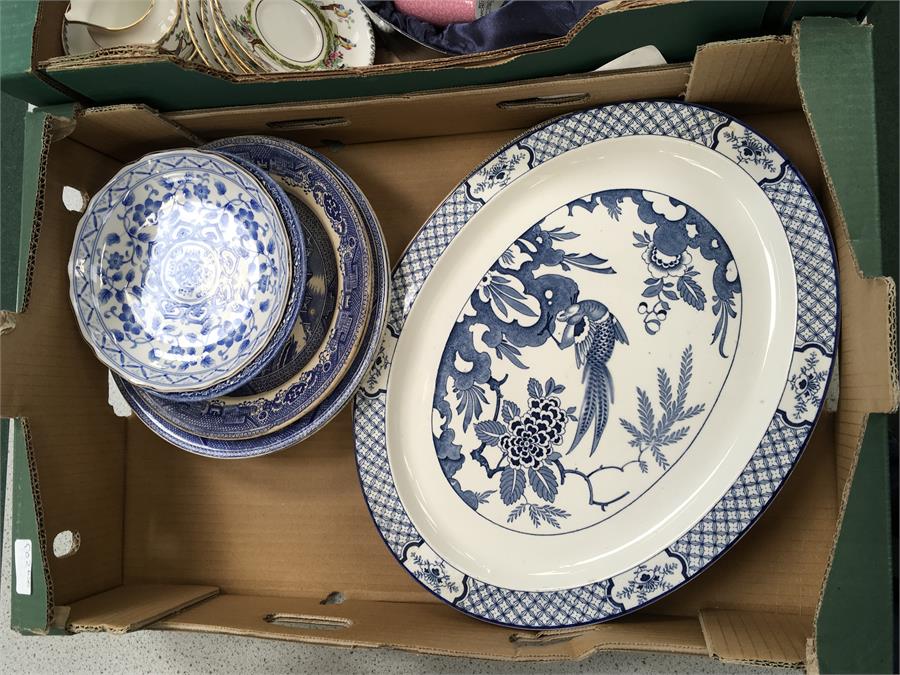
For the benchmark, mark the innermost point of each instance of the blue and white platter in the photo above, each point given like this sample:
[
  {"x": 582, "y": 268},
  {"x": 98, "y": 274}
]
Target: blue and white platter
[
  {"x": 181, "y": 274},
  {"x": 363, "y": 276},
  {"x": 605, "y": 351}
]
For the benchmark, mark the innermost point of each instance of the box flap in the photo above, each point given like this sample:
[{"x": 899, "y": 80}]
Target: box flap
[
  {"x": 757, "y": 74},
  {"x": 430, "y": 628},
  {"x": 19, "y": 79},
  {"x": 854, "y": 624},
  {"x": 755, "y": 637},
  {"x": 128, "y": 608},
  {"x": 121, "y": 131},
  {"x": 437, "y": 113}
]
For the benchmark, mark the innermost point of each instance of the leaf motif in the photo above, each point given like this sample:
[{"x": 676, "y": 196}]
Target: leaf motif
[
  {"x": 643, "y": 466},
  {"x": 684, "y": 376},
  {"x": 544, "y": 483},
  {"x": 665, "y": 389},
  {"x": 691, "y": 412},
  {"x": 512, "y": 485},
  {"x": 645, "y": 413},
  {"x": 535, "y": 515},
  {"x": 659, "y": 457},
  {"x": 112, "y": 238},
  {"x": 484, "y": 497},
  {"x": 674, "y": 437},
  {"x": 558, "y": 234},
  {"x": 589, "y": 262},
  {"x": 516, "y": 512},
  {"x": 509, "y": 411},
  {"x": 691, "y": 292},
  {"x": 534, "y": 388},
  {"x": 490, "y": 431},
  {"x": 670, "y": 295},
  {"x": 651, "y": 291},
  {"x": 104, "y": 295},
  {"x": 631, "y": 429}
]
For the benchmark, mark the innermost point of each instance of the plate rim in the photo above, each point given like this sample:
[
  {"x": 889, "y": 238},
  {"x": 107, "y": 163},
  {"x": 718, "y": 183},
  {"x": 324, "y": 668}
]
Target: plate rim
[{"x": 365, "y": 398}]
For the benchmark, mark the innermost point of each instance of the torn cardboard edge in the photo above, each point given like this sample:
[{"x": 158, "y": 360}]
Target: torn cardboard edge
[{"x": 599, "y": 634}]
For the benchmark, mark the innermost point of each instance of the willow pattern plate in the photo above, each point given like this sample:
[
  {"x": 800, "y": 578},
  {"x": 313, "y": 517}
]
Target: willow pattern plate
[
  {"x": 304, "y": 426},
  {"x": 605, "y": 351}
]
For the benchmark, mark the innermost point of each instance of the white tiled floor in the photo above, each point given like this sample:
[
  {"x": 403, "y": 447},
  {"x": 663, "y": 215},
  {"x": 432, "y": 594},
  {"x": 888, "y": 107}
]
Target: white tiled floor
[{"x": 158, "y": 652}]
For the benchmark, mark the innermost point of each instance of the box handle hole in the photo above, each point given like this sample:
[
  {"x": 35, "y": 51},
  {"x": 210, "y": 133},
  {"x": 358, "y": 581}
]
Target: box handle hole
[
  {"x": 307, "y": 622},
  {"x": 74, "y": 199},
  {"x": 66, "y": 543},
  {"x": 309, "y": 123},
  {"x": 543, "y": 101}
]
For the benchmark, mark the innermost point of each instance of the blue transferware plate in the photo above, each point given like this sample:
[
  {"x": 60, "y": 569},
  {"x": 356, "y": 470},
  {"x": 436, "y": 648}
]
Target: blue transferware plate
[
  {"x": 283, "y": 334},
  {"x": 606, "y": 350},
  {"x": 306, "y": 424},
  {"x": 181, "y": 272},
  {"x": 317, "y": 313},
  {"x": 254, "y": 415}
]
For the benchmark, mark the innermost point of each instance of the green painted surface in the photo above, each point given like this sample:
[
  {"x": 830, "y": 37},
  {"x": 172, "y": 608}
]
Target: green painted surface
[
  {"x": 856, "y": 627},
  {"x": 17, "y": 19},
  {"x": 29, "y": 612},
  {"x": 12, "y": 119}
]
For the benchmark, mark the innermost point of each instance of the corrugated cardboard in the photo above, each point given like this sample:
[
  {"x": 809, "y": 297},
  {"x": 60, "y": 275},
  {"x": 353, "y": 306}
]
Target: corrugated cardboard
[{"x": 277, "y": 535}]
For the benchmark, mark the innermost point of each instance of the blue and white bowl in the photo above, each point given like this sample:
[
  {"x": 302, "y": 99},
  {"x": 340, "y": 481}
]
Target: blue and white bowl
[{"x": 181, "y": 273}]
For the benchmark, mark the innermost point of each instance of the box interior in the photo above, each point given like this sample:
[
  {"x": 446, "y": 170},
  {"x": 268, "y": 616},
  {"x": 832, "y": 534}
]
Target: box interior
[{"x": 256, "y": 546}]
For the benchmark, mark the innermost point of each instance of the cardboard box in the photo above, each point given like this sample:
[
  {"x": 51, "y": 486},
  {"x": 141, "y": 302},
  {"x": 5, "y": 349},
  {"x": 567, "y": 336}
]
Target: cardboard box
[
  {"x": 257, "y": 547},
  {"x": 35, "y": 68}
]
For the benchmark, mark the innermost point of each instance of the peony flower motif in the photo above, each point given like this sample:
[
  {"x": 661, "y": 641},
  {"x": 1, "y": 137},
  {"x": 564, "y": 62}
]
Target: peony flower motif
[
  {"x": 661, "y": 265},
  {"x": 532, "y": 436}
]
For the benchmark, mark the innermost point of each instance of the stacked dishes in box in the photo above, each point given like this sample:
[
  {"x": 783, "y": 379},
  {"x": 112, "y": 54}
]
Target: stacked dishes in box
[
  {"x": 237, "y": 292},
  {"x": 235, "y": 36}
]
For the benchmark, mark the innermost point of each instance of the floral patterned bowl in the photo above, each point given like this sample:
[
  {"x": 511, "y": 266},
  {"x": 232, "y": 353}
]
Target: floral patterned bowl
[{"x": 181, "y": 273}]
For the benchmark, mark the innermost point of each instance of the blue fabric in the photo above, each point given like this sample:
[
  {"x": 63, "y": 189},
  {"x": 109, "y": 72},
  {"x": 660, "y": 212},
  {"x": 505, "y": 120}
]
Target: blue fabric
[{"x": 517, "y": 22}]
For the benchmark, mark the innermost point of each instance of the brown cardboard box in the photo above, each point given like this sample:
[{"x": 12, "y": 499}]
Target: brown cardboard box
[{"x": 255, "y": 546}]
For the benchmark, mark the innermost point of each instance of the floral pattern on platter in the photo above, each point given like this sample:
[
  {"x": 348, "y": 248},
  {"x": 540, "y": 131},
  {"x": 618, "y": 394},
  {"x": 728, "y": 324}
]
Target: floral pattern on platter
[
  {"x": 648, "y": 580},
  {"x": 778, "y": 448},
  {"x": 499, "y": 172},
  {"x": 806, "y": 384},
  {"x": 750, "y": 151},
  {"x": 525, "y": 450},
  {"x": 676, "y": 230},
  {"x": 431, "y": 570},
  {"x": 187, "y": 261}
]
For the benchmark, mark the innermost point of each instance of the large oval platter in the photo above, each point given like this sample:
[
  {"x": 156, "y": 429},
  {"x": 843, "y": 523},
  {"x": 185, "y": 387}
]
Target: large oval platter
[{"x": 605, "y": 352}]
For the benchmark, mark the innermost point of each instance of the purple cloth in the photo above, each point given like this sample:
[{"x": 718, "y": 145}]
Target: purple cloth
[{"x": 516, "y": 22}]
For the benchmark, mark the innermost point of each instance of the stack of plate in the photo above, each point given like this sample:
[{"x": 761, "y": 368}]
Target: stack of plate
[
  {"x": 237, "y": 292},
  {"x": 236, "y": 36}
]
